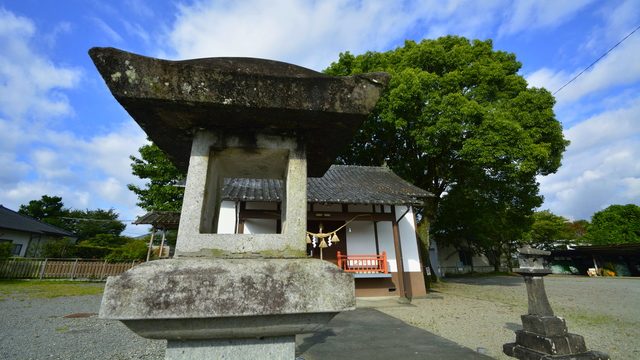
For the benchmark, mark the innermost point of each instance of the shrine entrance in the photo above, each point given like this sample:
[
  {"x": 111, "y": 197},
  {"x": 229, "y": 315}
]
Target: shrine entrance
[{"x": 329, "y": 253}]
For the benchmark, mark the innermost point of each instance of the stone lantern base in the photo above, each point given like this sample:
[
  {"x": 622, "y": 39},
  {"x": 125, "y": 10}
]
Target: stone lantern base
[
  {"x": 228, "y": 308},
  {"x": 546, "y": 337}
]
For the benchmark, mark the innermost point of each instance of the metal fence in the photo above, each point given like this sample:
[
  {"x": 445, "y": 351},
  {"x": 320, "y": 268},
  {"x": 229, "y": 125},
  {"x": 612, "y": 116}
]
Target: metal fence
[{"x": 21, "y": 268}]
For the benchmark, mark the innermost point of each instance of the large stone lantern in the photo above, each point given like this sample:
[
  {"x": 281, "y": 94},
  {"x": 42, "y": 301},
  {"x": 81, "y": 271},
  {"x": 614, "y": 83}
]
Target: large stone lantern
[
  {"x": 544, "y": 336},
  {"x": 235, "y": 295}
]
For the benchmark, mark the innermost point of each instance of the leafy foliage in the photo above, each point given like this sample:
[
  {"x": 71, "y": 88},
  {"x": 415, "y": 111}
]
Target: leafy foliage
[
  {"x": 91, "y": 223},
  {"x": 459, "y": 121},
  {"x": 60, "y": 248},
  {"x": 132, "y": 250},
  {"x": 5, "y": 250},
  {"x": 83, "y": 223},
  {"x": 617, "y": 224},
  {"x": 548, "y": 229},
  {"x": 49, "y": 209},
  {"x": 160, "y": 192},
  {"x": 105, "y": 240}
]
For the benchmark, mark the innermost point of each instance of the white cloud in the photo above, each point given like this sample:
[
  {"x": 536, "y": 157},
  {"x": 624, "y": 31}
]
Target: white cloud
[
  {"x": 619, "y": 68},
  {"x": 107, "y": 30},
  {"x": 308, "y": 33},
  {"x": 527, "y": 15},
  {"x": 600, "y": 166},
  {"x": 29, "y": 83},
  {"x": 87, "y": 172}
]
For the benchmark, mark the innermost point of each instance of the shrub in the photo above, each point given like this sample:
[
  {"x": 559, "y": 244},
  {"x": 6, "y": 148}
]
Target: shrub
[
  {"x": 133, "y": 250},
  {"x": 59, "y": 248},
  {"x": 5, "y": 250},
  {"x": 86, "y": 251}
]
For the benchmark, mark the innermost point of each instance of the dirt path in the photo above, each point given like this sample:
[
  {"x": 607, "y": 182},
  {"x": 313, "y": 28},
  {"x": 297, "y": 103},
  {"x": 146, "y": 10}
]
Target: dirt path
[{"x": 484, "y": 312}]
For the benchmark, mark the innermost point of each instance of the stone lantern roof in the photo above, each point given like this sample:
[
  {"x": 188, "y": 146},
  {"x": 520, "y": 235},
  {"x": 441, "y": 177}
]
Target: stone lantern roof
[{"x": 242, "y": 97}]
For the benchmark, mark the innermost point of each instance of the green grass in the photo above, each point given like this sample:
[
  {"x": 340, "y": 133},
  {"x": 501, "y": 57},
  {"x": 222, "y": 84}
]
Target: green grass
[{"x": 43, "y": 289}]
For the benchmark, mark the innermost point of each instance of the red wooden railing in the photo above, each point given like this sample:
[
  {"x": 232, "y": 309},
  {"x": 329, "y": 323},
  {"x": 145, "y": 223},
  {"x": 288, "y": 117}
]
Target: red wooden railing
[{"x": 370, "y": 264}]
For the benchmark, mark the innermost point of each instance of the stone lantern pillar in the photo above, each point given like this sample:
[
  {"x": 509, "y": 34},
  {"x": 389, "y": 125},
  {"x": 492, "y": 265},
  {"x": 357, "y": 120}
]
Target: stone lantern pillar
[
  {"x": 544, "y": 335},
  {"x": 235, "y": 296}
]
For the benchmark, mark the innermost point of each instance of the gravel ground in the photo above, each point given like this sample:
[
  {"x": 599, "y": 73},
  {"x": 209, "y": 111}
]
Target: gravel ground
[
  {"x": 37, "y": 329},
  {"x": 484, "y": 312},
  {"x": 474, "y": 312}
]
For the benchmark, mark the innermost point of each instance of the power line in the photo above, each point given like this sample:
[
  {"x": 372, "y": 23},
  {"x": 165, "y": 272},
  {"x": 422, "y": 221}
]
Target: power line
[{"x": 598, "y": 59}]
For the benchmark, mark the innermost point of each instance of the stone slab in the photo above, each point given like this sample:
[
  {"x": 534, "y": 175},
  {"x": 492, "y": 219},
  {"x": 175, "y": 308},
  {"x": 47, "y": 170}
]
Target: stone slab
[
  {"x": 522, "y": 353},
  {"x": 544, "y": 325},
  {"x": 554, "y": 345},
  {"x": 208, "y": 288},
  {"x": 241, "y": 96},
  {"x": 230, "y": 327},
  {"x": 276, "y": 348}
]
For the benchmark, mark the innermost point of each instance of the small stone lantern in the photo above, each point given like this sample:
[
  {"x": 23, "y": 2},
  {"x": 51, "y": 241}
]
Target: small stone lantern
[
  {"x": 235, "y": 296},
  {"x": 544, "y": 335}
]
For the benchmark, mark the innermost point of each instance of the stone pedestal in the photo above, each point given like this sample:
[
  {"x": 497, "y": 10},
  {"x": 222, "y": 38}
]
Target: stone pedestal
[{"x": 544, "y": 336}]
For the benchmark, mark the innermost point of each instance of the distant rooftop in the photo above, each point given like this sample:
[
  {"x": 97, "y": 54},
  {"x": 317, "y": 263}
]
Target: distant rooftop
[{"x": 10, "y": 219}]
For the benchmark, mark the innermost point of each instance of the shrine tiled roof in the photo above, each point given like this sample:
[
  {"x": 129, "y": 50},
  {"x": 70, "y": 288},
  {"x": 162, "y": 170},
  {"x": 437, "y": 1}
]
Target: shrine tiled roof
[{"x": 342, "y": 184}]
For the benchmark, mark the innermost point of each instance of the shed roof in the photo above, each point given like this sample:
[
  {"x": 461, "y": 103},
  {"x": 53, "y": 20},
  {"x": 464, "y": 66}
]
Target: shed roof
[
  {"x": 342, "y": 184},
  {"x": 10, "y": 219}
]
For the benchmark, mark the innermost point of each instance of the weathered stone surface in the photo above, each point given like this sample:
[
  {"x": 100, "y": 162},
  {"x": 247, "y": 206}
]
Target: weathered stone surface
[
  {"x": 523, "y": 353},
  {"x": 537, "y": 296},
  {"x": 554, "y": 345},
  {"x": 532, "y": 260},
  {"x": 241, "y": 96},
  {"x": 545, "y": 336},
  {"x": 230, "y": 327},
  {"x": 275, "y": 348},
  {"x": 208, "y": 288},
  {"x": 207, "y": 170},
  {"x": 544, "y": 325}
]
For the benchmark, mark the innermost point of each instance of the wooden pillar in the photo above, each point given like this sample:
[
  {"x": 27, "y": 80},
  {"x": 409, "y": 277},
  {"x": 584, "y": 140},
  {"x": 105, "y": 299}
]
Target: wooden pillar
[
  {"x": 153, "y": 233},
  {"x": 398, "y": 250}
]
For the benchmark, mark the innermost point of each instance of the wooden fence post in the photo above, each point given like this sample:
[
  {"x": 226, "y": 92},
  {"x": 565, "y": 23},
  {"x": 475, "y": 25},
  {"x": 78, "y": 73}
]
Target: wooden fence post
[
  {"x": 102, "y": 272},
  {"x": 73, "y": 270},
  {"x": 43, "y": 267}
]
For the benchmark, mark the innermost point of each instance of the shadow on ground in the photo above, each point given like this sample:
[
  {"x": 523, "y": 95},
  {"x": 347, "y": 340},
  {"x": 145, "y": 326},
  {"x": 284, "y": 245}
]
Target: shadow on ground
[
  {"x": 493, "y": 280},
  {"x": 369, "y": 334}
]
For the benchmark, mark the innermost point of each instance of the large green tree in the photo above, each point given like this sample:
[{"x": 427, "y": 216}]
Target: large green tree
[
  {"x": 83, "y": 223},
  {"x": 89, "y": 223},
  {"x": 454, "y": 109},
  {"x": 617, "y": 224},
  {"x": 458, "y": 120},
  {"x": 49, "y": 209},
  {"x": 160, "y": 192}
]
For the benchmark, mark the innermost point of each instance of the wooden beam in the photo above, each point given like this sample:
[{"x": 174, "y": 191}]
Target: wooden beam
[{"x": 398, "y": 249}]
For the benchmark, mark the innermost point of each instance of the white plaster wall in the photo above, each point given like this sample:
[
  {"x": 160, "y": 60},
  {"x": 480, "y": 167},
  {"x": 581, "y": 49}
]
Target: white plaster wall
[
  {"x": 408, "y": 240},
  {"x": 16, "y": 237},
  {"x": 385, "y": 243},
  {"x": 361, "y": 240},
  {"x": 260, "y": 226},
  {"x": 227, "y": 219}
]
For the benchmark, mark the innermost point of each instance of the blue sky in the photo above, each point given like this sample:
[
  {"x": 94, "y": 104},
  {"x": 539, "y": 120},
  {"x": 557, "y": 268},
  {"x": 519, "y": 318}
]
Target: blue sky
[{"x": 62, "y": 133}]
